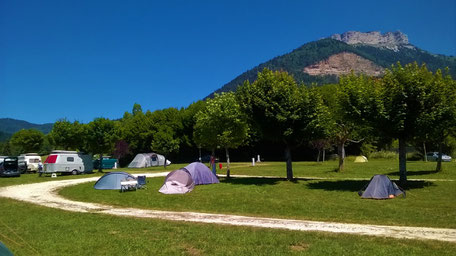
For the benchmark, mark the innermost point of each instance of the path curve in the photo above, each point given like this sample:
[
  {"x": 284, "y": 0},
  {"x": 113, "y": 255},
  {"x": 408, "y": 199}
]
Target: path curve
[{"x": 46, "y": 194}]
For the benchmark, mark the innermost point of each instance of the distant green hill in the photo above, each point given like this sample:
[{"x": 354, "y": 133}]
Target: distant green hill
[
  {"x": 317, "y": 51},
  {"x": 9, "y": 126}
]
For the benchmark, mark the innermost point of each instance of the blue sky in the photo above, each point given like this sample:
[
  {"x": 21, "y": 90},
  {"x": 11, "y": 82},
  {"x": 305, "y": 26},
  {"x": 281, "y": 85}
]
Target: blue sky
[{"x": 85, "y": 59}]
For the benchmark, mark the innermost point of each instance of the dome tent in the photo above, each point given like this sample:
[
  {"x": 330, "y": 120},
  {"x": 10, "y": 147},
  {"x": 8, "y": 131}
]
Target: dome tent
[
  {"x": 143, "y": 160},
  {"x": 381, "y": 187},
  {"x": 201, "y": 174},
  {"x": 177, "y": 182},
  {"x": 111, "y": 180}
]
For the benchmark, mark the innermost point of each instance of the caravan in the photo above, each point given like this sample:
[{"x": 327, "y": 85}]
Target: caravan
[
  {"x": 29, "y": 162},
  {"x": 68, "y": 162}
]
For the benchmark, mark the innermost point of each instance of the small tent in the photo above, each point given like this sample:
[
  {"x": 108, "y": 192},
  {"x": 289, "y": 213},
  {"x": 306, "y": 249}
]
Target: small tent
[
  {"x": 361, "y": 159},
  {"x": 112, "y": 180},
  {"x": 177, "y": 182},
  {"x": 4, "y": 251},
  {"x": 147, "y": 160},
  {"x": 381, "y": 187},
  {"x": 201, "y": 174}
]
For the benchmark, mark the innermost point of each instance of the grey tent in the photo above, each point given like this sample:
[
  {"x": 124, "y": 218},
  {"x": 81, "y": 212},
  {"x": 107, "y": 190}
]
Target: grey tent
[
  {"x": 177, "y": 182},
  {"x": 112, "y": 180},
  {"x": 381, "y": 187},
  {"x": 201, "y": 174},
  {"x": 147, "y": 160}
]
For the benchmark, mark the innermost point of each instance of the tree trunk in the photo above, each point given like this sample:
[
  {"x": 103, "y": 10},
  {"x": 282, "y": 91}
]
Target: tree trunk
[
  {"x": 402, "y": 163},
  {"x": 439, "y": 160},
  {"x": 164, "y": 164},
  {"x": 100, "y": 167},
  {"x": 289, "y": 163},
  {"x": 318, "y": 157},
  {"x": 324, "y": 153},
  {"x": 227, "y": 163},
  {"x": 341, "y": 153},
  {"x": 425, "y": 153}
]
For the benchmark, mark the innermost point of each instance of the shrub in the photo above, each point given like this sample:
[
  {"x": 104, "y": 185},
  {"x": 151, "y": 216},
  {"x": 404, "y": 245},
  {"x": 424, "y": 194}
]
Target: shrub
[{"x": 383, "y": 154}]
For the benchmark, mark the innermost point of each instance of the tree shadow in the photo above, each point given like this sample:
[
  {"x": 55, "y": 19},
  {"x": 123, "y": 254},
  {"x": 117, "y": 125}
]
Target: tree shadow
[
  {"x": 252, "y": 181},
  {"x": 414, "y": 173},
  {"x": 357, "y": 185}
]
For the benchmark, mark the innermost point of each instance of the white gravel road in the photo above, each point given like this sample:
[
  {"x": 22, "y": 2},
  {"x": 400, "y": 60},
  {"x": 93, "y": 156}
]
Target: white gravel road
[{"x": 46, "y": 194}]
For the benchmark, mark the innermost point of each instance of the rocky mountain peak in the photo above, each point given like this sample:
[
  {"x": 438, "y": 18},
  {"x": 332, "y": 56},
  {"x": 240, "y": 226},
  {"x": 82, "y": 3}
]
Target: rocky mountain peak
[{"x": 389, "y": 40}]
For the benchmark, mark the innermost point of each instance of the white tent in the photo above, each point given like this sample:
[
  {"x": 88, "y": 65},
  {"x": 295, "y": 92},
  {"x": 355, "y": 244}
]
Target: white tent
[{"x": 147, "y": 160}]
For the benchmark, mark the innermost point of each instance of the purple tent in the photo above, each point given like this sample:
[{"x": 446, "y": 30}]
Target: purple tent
[
  {"x": 201, "y": 174},
  {"x": 381, "y": 187}
]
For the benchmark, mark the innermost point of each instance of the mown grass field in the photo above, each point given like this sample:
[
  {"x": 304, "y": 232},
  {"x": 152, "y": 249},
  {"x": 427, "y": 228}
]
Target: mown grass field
[{"x": 33, "y": 230}]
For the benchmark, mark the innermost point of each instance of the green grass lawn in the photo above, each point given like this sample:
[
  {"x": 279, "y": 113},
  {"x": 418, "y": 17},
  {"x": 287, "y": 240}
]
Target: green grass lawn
[{"x": 33, "y": 230}]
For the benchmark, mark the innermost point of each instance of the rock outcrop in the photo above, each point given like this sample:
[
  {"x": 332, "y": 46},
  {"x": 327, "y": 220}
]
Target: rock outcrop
[
  {"x": 343, "y": 63},
  {"x": 389, "y": 40}
]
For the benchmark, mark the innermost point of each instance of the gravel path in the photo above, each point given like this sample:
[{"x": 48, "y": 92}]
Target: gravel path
[{"x": 45, "y": 194}]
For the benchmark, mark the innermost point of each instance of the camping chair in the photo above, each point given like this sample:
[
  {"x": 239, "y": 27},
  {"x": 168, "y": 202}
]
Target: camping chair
[{"x": 142, "y": 182}]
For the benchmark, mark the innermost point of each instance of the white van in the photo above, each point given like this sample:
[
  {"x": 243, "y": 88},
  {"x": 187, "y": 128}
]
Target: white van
[
  {"x": 29, "y": 161},
  {"x": 68, "y": 162}
]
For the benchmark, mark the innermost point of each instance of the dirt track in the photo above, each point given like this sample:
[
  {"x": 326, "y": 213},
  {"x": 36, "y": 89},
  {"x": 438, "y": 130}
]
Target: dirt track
[{"x": 45, "y": 194}]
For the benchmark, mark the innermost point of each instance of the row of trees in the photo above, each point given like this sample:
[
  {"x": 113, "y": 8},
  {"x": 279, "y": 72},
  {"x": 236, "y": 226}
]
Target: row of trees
[{"x": 410, "y": 104}]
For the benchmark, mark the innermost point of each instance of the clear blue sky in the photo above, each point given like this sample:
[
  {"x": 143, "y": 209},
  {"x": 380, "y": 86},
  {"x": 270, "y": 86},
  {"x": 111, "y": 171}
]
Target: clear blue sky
[{"x": 85, "y": 59}]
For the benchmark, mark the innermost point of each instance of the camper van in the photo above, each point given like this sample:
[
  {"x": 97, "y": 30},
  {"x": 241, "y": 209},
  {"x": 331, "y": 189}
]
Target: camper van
[
  {"x": 68, "y": 162},
  {"x": 29, "y": 162}
]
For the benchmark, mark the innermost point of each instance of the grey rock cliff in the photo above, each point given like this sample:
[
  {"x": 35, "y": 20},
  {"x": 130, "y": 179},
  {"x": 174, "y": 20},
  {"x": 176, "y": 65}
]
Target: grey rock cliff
[{"x": 389, "y": 40}]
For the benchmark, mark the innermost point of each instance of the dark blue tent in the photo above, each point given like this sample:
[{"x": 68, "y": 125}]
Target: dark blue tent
[
  {"x": 201, "y": 174},
  {"x": 381, "y": 187},
  {"x": 112, "y": 180}
]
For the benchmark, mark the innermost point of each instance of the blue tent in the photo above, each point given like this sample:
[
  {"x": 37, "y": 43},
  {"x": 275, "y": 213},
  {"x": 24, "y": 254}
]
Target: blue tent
[
  {"x": 381, "y": 187},
  {"x": 201, "y": 174},
  {"x": 4, "y": 251},
  {"x": 112, "y": 180}
]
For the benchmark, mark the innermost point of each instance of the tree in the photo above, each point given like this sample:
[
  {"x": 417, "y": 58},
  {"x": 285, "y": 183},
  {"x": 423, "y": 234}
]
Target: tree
[
  {"x": 25, "y": 141},
  {"x": 221, "y": 123},
  {"x": 67, "y": 135},
  {"x": 402, "y": 95},
  {"x": 167, "y": 127},
  {"x": 137, "y": 129},
  {"x": 283, "y": 111},
  {"x": 355, "y": 106},
  {"x": 438, "y": 119},
  {"x": 101, "y": 137}
]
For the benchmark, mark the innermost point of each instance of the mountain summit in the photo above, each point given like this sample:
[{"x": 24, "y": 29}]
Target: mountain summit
[
  {"x": 389, "y": 40},
  {"x": 323, "y": 61}
]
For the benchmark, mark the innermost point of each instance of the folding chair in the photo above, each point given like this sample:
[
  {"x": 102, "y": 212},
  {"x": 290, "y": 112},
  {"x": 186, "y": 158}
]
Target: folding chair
[{"x": 142, "y": 181}]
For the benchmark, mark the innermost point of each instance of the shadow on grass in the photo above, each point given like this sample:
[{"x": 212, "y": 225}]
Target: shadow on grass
[
  {"x": 414, "y": 173},
  {"x": 252, "y": 181},
  {"x": 356, "y": 185}
]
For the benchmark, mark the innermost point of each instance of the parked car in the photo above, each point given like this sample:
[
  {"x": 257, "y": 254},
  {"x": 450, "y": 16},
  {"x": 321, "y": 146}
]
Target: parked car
[
  {"x": 68, "y": 162},
  {"x": 434, "y": 156},
  {"x": 9, "y": 167},
  {"x": 107, "y": 163}
]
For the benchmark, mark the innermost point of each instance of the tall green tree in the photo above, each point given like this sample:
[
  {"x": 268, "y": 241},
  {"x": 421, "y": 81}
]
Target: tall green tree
[
  {"x": 221, "y": 123},
  {"x": 101, "y": 137},
  {"x": 356, "y": 105},
  {"x": 137, "y": 130},
  {"x": 403, "y": 95},
  {"x": 167, "y": 128},
  {"x": 27, "y": 140},
  {"x": 67, "y": 135},
  {"x": 283, "y": 110},
  {"x": 438, "y": 119}
]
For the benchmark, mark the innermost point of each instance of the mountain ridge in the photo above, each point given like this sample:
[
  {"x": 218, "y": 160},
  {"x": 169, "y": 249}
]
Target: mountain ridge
[
  {"x": 9, "y": 126},
  {"x": 383, "y": 50}
]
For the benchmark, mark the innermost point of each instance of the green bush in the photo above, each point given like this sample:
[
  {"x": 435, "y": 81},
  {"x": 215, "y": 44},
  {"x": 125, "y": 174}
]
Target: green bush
[{"x": 383, "y": 154}]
